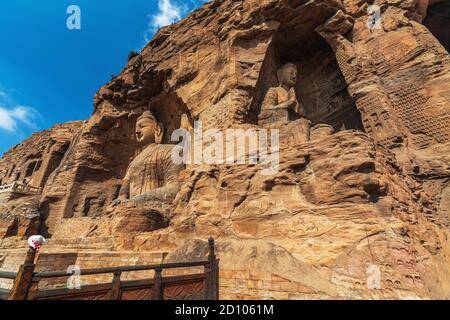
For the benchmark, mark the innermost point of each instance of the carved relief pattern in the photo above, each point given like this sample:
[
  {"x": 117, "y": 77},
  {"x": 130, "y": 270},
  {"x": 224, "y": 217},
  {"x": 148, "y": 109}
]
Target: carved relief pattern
[
  {"x": 189, "y": 291},
  {"x": 90, "y": 296},
  {"x": 388, "y": 56},
  {"x": 94, "y": 297},
  {"x": 411, "y": 106},
  {"x": 324, "y": 94},
  {"x": 377, "y": 118},
  {"x": 348, "y": 71},
  {"x": 428, "y": 41},
  {"x": 139, "y": 294}
]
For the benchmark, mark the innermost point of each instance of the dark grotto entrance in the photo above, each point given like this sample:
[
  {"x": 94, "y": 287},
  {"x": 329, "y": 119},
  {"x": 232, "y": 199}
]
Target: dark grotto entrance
[
  {"x": 321, "y": 87},
  {"x": 438, "y": 22}
]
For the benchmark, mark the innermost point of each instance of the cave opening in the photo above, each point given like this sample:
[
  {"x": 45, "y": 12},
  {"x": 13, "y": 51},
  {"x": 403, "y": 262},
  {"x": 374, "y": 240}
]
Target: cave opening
[
  {"x": 12, "y": 171},
  {"x": 30, "y": 169},
  {"x": 321, "y": 87},
  {"x": 438, "y": 21},
  {"x": 168, "y": 108}
]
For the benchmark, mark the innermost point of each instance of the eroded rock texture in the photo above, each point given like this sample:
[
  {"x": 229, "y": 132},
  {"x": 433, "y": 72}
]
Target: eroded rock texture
[
  {"x": 30, "y": 164},
  {"x": 369, "y": 190}
]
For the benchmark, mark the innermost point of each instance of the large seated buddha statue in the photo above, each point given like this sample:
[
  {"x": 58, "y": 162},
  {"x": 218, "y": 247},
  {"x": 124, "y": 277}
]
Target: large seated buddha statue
[
  {"x": 152, "y": 175},
  {"x": 151, "y": 182}
]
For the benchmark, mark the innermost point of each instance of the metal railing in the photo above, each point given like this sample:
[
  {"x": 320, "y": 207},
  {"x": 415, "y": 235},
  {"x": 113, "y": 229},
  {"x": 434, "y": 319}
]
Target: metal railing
[{"x": 8, "y": 275}]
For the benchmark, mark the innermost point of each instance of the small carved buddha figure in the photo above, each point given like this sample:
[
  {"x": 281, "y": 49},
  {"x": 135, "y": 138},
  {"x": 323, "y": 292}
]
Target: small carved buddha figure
[
  {"x": 281, "y": 109},
  {"x": 280, "y": 103},
  {"x": 152, "y": 175}
]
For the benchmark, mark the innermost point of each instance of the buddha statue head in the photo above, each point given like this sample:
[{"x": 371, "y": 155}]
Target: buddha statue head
[
  {"x": 148, "y": 129},
  {"x": 287, "y": 75}
]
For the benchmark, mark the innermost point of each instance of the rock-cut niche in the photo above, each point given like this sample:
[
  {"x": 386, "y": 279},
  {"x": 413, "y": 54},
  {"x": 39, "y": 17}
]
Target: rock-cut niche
[
  {"x": 321, "y": 87},
  {"x": 88, "y": 200},
  {"x": 168, "y": 108}
]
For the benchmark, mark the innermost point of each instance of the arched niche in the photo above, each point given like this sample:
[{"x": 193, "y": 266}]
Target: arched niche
[
  {"x": 321, "y": 87},
  {"x": 438, "y": 21},
  {"x": 168, "y": 108}
]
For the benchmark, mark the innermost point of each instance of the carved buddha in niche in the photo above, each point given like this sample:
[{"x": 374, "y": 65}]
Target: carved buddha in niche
[
  {"x": 281, "y": 107},
  {"x": 151, "y": 176},
  {"x": 280, "y": 103}
]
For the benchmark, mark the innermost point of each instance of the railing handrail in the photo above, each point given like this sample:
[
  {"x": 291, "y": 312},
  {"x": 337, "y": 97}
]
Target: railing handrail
[
  {"x": 59, "y": 274},
  {"x": 26, "y": 281},
  {"x": 8, "y": 275}
]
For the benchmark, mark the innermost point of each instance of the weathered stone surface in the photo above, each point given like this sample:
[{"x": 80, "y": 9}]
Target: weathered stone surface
[
  {"x": 19, "y": 217},
  {"x": 369, "y": 189},
  {"x": 30, "y": 164},
  {"x": 38, "y": 156}
]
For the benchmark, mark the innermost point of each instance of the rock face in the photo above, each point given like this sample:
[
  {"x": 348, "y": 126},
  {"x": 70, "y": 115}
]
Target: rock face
[
  {"x": 29, "y": 165},
  {"x": 37, "y": 157},
  {"x": 358, "y": 210}
]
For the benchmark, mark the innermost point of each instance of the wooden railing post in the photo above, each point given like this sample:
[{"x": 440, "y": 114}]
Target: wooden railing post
[
  {"x": 23, "y": 279},
  {"x": 212, "y": 273},
  {"x": 115, "y": 290},
  {"x": 207, "y": 295},
  {"x": 157, "y": 285}
]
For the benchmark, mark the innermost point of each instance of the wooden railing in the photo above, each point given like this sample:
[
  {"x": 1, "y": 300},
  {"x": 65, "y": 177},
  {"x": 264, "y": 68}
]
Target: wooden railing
[
  {"x": 199, "y": 286},
  {"x": 19, "y": 187}
]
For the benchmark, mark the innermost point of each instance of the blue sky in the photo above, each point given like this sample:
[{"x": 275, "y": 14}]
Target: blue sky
[{"x": 49, "y": 74}]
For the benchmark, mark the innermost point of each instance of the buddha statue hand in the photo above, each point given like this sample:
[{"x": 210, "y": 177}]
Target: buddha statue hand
[{"x": 292, "y": 103}]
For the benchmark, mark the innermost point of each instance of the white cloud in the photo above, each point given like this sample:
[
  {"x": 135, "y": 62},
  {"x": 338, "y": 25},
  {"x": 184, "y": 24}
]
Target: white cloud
[
  {"x": 168, "y": 13},
  {"x": 13, "y": 115},
  {"x": 7, "y": 122},
  {"x": 10, "y": 119}
]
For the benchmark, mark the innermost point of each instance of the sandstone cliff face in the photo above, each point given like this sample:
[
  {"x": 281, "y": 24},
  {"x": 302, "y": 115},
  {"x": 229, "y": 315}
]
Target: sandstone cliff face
[
  {"x": 29, "y": 165},
  {"x": 375, "y": 193},
  {"x": 31, "y": 159}
]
